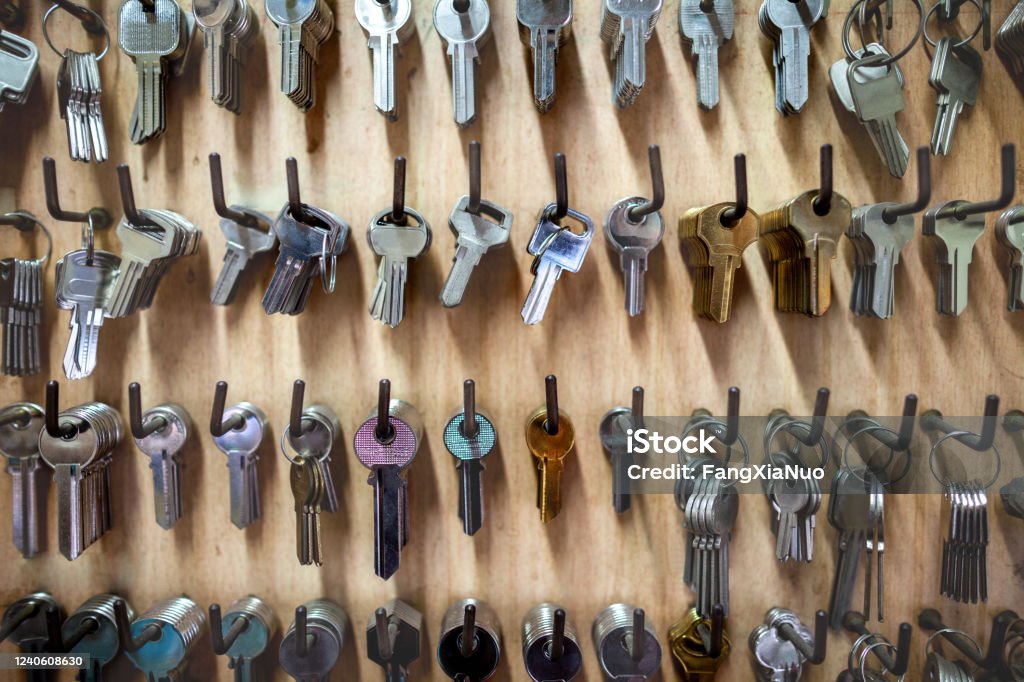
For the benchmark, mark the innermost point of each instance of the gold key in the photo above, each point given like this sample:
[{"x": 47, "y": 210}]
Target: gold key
[
  {"x": 687, "y": 641},
  {"x": 714, "y": 248},
  {"x": 801, "y": 247},
  {"x": 549, "y": 441}
]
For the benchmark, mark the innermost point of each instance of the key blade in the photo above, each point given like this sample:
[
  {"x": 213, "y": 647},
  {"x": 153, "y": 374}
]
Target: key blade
[
  {"x": 540, "y": 292},
  {"x": 387, "y": 520},
  {"x": 471, "y": 495}
]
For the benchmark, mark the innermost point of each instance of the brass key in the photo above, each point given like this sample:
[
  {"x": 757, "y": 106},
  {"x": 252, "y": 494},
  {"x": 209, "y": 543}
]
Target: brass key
[
  {"x": 686, "y": 639},
  {"x": 550, "y": 437},
  {"x": 714, "y": 247}
]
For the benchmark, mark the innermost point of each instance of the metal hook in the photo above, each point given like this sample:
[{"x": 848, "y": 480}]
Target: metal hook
[
  {"x": 296, "y": 424},
  {"x": 1013, "y": 421},
  {"x": 474, "y": 178},
  {"x": 561, "y": 189},
  {"x": 398, "y": 193},
  {"x": 87, "y": 626},
  {"x": 734, "y": 214},
  {"x": 638, "y": 212},
  {"x": 124, "y": 181},
  {"x": 219, "y": 204},
  {"x": 707, "y": 6},
  {"x": 16, "y": 219},
  {"x": 557, "y": 647},
  {"x": 385, "y": 635},
  {"x": 551, "y": 404},
  {"x": 637, "y": 408},
  {"x": 29, "y": 610},
  {"x": 467, "y": 643},
  {"x": 856, "y": 622},
  {"x": 461, "y": 6},
  {"x": 713, "y": 638},
  {"x": 15, "y": 414},
  {"x": 901, "y": 440},
  {"x": 301, "y": 634},
  {"x": 469, "y": 427},
  {"x": 100, "y": 218},
  {"x": 221, "y": 642},
  {"x": 1008, "y": 172},
  {"x": 53, "y": 428},
  {"x": 90, "y": 22},
  {"x": 384, "y": 431},
  {"x": 817, "y": 425},
  {"x": 637, "y": 636},
  {"x": 932, "y": 420},
  {"x": 129, "y": 644},
  {"x": 931, "y": 620},
  {"x": 822, "y": 203},
  {"x": 295, "y": 207},
  {"x": 148, "y": 5},
  {"x": 218, "y": 425},
  {"x": 815, "y": 655},
  {"x": 139, "y": 429},
  {"x": 924, "y": 190}
]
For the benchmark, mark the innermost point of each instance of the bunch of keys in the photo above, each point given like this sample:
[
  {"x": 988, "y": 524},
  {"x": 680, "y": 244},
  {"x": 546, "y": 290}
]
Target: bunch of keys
[
  {"x": 546, "y": 26},
  {"x": 170, "y": 632},
  {"x": 21, "y": 301},
  {"x": 306, "y": 443},
  {"x": 93, "y": 630},
  {"x": 243, "y": 634},
  {"x": 386, "y": 444},
  {"x": 312, "y": 645},
  {"x": 699, "y": 645},
  {"x": 551, "y": 649},
  {"x": 626, "y": 644}
]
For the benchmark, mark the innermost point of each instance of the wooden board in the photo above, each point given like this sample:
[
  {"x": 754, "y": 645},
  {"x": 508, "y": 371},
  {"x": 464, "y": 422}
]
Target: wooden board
[{"x": 587, "y": 558}]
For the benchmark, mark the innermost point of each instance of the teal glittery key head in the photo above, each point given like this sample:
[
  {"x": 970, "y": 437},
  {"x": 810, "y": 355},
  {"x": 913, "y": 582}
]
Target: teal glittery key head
[{"x": 464, "y": 448}]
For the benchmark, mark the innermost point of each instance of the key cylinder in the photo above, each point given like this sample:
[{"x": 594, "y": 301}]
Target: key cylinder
[
  {"x": 476, "y": 660},
  {"x": 547, "y": 654}
]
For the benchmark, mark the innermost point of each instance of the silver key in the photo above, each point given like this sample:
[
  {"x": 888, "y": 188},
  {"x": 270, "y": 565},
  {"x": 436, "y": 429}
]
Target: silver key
[
  {"x": 706, "y": 32},
  {"x": 396, "y": 244},
  {"x": 633, "y": 240},
  {"x": 309, "y": 248},
  {"x": 777, "y": 660},
  {"x": 1010, "y": 234},
  {"x": 555, "y": 249},
  {"x": 163, "y": 447},
  {"x": 387, "y": 24},
  {"x": 956, "y": 76},
  {"x": 788, "y": 25},
  {"x": 626, "y": 26},
  {"x": 546, "y": 26},
  {"x": 84, "y": 288},
  {"x": 465, "y": 25},
  {"x": 244, "y": 243},
  {"x": 303, "y": 26},
  {"x": 877, "y": 247},
  {"x": 387, "y": 454},
  {"x": 954, "y": 241},
  {"x": 19, "y": 66},
  {"x": 19, "y": 444},
  {"x": 877, "y": 94},
  {"x": 183, "y": 629},
  {"x": 241, "y": 446},
  {"x": 475, "y": 235}
]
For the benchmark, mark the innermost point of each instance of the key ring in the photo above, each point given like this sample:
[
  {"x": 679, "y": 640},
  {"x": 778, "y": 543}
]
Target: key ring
[
  {"x": 718, "y": 428},
  {"x": 328, "y": 288},
  {"x": 954, "y": 434},
  {"x": 773, "y": 431},
  {"x": 977, "y": 29},
  {"x": 96, "y": 17},
  {"x": 864, "y": 657},
  {"x": 928, "y": 649},
  {"x": 922, "y": 29},
  {"x": 28, "y": 217},
  {"x": 857, "y": 644},
  {"x": 871, "y": 428},
  {"x": 286, "y": 444}
]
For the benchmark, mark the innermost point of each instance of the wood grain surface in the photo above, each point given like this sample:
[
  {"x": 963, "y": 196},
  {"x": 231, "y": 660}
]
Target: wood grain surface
[{"x": 587, "y": 557}]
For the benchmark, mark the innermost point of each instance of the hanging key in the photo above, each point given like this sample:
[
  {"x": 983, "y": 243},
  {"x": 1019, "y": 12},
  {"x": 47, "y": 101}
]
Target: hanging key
[
  {"x": 84, "y": 285},
  {"x": 160, "y": 433},
  {"x": 19, "y": 66},
  {"x": 877, "y": 94},
  {"x": 626, "y": 643},
  {"x": 171, "y": 632},
  {"x": 92, "y": 631},
  {"x": 788, "y": 25},
  {"x": 302, "y": 28},
  {"x": 21, "y": 301},
  {"x": 555, "y": 248},
  {"x": 469, "y": 646},
  {"x": 550, "y": 438},
  {"x": 469, "y": 437},
  {"x": 706, "y": 25},
  {"x": 782, "y": 645},
  {"x": 465, "y": 26},
  {"x": 955, "y": 76},
  {"x": 954, "y": 239},
  {"x": 243, "y": 634},
  {"x": 238, "y": 433},
  {"x": 699, "y": 645},
  {"x": 229, "y": 29},
  {"x": 312, "y": 645},
  {"x": 386, "y": 444},
  {"x": 396, "y": 234},
  {"x": 1010, "y": 234},
  {"x": 387, "y": 24},
  {"x": 633, "y": 228},
  {"x": 626, "y": 26},
  {"x": 551, "y": 649},
  {"x": 546, "y": 26},
  {"x": 616, "y": 425},
  {"x": 20, "y": 424},
  {"x": 478, "y": 226},
  {"x": 393, "y": 639}
]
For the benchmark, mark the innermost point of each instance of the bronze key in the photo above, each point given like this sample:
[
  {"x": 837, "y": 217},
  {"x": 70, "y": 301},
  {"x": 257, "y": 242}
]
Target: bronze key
[
  {"x": 550, "y": 437},
  {"x": 692, "y": 644},
  {"x": 714, "y": 248}
]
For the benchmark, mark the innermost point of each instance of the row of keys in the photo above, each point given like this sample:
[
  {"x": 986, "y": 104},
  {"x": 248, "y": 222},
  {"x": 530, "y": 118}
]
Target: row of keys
[
  {"x": 626, "y": 644},
  {"x": 157, "y": 35}
]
